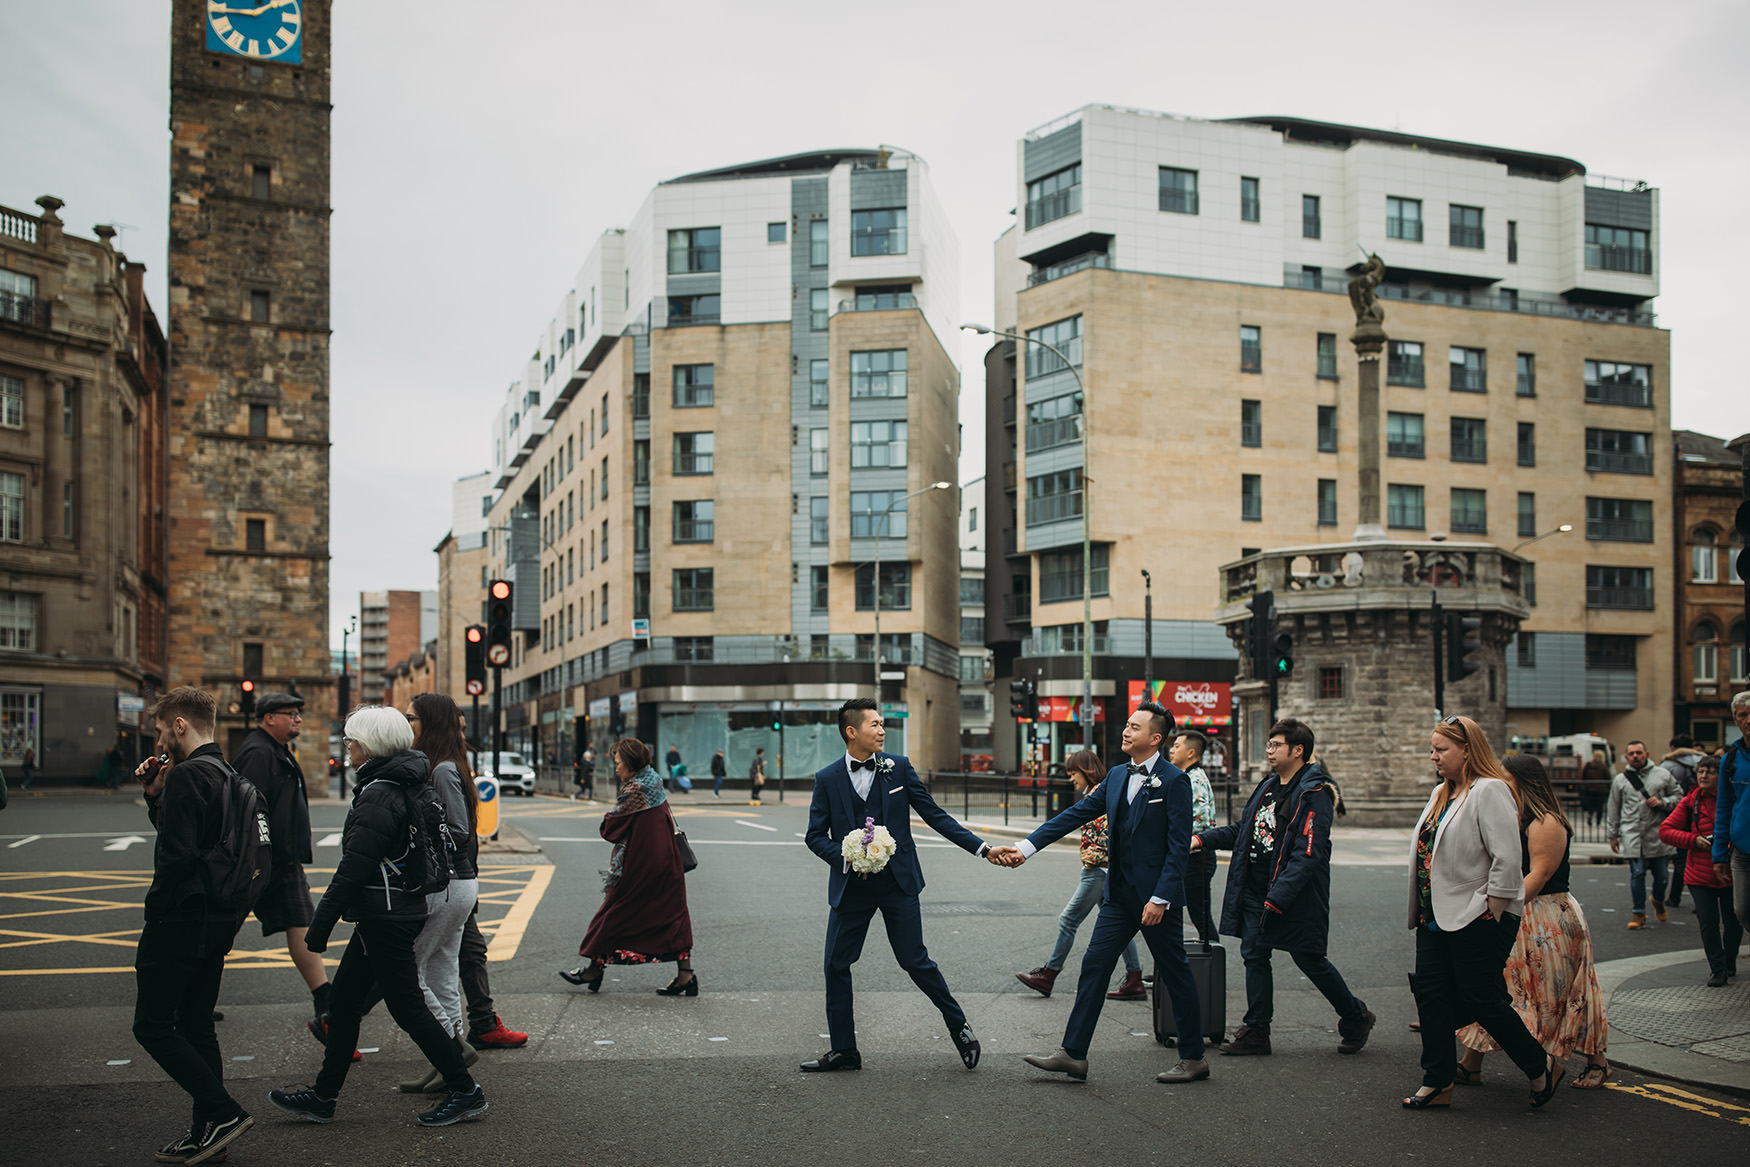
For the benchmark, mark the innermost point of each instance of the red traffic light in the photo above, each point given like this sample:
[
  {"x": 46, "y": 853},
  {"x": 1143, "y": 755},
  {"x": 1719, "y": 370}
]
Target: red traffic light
[
  {"x": 249, "y": 686},
  {"x": 500, "y": 590},
  {"x": 476, "y": 634}
]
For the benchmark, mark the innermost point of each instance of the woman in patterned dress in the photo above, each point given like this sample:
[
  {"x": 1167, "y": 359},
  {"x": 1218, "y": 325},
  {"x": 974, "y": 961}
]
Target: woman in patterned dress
[{"x": 1549, "y": 974}]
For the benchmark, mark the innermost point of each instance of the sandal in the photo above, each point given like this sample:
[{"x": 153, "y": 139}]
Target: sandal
[
  {"x": 1593, "y": 1078},
  {"x": 1437, "y": 1099},
  {"x": 1552, "y": 1077},
  {"x": 1468, "y": 1077}
]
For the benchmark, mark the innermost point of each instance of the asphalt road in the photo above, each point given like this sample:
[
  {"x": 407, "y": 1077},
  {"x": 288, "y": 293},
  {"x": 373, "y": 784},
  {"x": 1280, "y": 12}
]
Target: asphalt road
[{"x": 630, "y": 1075}]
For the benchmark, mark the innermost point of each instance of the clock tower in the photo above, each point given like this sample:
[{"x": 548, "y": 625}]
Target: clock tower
[{"x": 248, "y": 331}]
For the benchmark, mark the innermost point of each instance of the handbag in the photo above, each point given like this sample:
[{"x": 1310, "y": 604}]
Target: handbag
[{"x": 688, "y": 860}]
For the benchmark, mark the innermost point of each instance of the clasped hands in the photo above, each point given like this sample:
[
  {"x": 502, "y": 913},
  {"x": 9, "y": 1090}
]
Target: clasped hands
[{"x": 1005, "y": 856}]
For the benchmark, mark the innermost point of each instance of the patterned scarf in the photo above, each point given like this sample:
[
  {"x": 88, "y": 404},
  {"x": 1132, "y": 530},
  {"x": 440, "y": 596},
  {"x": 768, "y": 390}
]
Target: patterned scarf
[{"x": 643, "y": 792}]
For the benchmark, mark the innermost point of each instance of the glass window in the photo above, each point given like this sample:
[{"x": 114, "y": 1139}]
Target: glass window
[
  {"x": 1060, "y": 573},
  {"x": 1618, "y": 249},
  {"x": 1527, "y": 443},
  {"x": 880, "y": 373},
  {"x": 1470, "y": 369},
  {"x": 1404, "y": 507},
  {"x": 640, "y": 529},
  {"x": 972, "y": 632},
  {"x": 641, "y": 594},
  {"x": 972, "y": 589},
  {"x": 817, "y": 382},
  {"x": 1250, "y": 206},
  {"x": 1251, "y": 498},
  {"x": 1404, "y": 363},
  {"x": 685, "y": 310},
  {"x": 1614, "y": 383},
  {"x": 1604, "y": 651},
  {"x": 1327, "y": 429},
  {"x": 818, "y": 245},
  {"x": 11, "y": 508},
  {"x": 1619, "y": 587},
  {"x": 1703, "y": 557},
  {"x": 694, "y": 521},
  {"x": 1403, "y": 219},
  {"x": 640, "y": 395},
  {"x": 895, "y": 591},
  {"x": 1311, "y": 226},
  {"x": 1620, "y": 520},
  {"x": 877, "y": 444},
  {"x": 1466, "y": 226},
  {"x": 255, "y": 534},
  {"x": 1251, "y": 349},
  {"x": 1312, "y": 277},
  {"x": 878, "y": 513},
  {"x": 641, "y": 462},
  {"x": 819, "y": 448},
  {"x": 1404, "y": 436},
  {"x": 1470, "y": 439},
  {"x": 694, "y": 453},
  {"x": 694, "y": 589},
  {"x": 820, "y": 588},
  {"x": 259, "y": 307},
  {"x": 1063, "y": 335},
  {"x": 694, "y": 648},
  {"x": 884, "y": 297},
  {"x": 1327, "y": 502},
  {"x": 11, "y": 403},
  {"x": 1527, "y": 514},
  {"x": 1054, "y": 497},
  {"x": 694, "y": 385},
  {"x": 819, "y": 520},
  {"x": 17, "y": 626},
  {"x": 1619, "y": 451},
  {"x": 777, "y": 232},
  {"x": 695, "y": 249},
  {"x": 1251, "y": 423},
  {"x": 1512, "y": 241},
  {"x": 1055, "y": 421},
  {"x": 1527, "y": 386},
  {"x": 1470, "y": 511},
  {"x": 1327, "y": 356},
  {"x": 971, "y": 669},
  {"x": 1705, "y": 654},
  {"x": 878, "y": 232},
  {"x": 1054, "y": 196},
  {"x": 1178, "y": 190},
  {"x": 819, "y": 307}
]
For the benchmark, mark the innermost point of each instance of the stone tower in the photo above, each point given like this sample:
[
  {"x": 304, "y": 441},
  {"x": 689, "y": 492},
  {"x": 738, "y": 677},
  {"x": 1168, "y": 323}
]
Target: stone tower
[{"x": 248, "y": 324}]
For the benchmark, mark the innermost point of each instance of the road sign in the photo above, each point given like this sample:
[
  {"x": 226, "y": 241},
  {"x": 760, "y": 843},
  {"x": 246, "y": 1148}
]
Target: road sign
[{"x": 486, "y": 814}]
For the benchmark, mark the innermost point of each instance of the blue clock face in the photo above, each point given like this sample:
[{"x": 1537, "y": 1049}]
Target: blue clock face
[{"x": 267, "y": 30}]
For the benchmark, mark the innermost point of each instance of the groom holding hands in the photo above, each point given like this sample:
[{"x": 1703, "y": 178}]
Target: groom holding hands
[{"x": 1147, "y": 803}]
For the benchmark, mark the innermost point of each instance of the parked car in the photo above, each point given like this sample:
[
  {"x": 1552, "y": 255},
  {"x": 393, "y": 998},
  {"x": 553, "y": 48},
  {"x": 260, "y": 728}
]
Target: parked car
[{"x": 513, "y": 774}]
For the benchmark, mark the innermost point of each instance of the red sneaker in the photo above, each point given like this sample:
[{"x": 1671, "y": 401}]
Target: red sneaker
[
  {"x": 318, "y": 1027},
  {"x": 498, "y": 1037}
]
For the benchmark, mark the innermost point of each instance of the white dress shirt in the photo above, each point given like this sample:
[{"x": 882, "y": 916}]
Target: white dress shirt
[{"x": 863, "y": 780}]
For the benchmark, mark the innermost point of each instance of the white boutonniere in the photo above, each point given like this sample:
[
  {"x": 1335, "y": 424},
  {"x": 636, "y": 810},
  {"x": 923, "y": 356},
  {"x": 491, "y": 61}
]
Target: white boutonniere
[
  {"x": 884, "y": 766},
  {"x": 1151, "y": 782}
]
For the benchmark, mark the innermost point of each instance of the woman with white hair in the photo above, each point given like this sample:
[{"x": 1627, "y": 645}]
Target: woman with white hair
[{"x": 372, "y": 888}]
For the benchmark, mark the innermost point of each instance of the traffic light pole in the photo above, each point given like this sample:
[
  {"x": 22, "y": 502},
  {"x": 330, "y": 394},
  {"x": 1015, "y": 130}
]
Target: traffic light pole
[
  {"x": 474, "y": 724},
  {"x": 497, "y": 692},
  {"x": 1439, "y": 623}
]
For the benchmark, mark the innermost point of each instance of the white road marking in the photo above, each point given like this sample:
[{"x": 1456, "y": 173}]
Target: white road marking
[
  {"x": 332, "y": 840},
  {"x": 120, "y": 1061},
  {"x": 604, "y": 1043},
  {"x": 123, "y": 843},
  {"x": 369, "y": 1049},
  {"x": 22, "y": 842},
  {"x": 717, "y": 1039},
  {"x": 755, "y": 826},
  {"x": 244, "y": 1058}
]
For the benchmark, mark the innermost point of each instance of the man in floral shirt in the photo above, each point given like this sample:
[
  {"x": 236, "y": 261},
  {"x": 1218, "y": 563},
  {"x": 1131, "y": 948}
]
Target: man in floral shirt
[{"x": 1187, "y": 754}]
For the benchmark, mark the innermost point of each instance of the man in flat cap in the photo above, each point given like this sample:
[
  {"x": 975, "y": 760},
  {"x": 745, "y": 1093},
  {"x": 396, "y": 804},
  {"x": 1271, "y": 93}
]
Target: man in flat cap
[{"x": 285, "y": 905}]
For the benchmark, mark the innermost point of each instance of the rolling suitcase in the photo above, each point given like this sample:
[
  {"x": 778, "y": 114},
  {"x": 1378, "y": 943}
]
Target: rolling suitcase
[{"x": 1209, "y": 972}]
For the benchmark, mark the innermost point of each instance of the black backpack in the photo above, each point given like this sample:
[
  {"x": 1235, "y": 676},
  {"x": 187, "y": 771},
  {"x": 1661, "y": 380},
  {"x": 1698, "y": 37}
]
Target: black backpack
[
  {"x": 425, "y": 865},
  {"x": 237, "y": 867}
]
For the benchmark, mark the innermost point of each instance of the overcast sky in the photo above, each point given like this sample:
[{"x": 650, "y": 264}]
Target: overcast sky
[{"x": 479, "y": 149}]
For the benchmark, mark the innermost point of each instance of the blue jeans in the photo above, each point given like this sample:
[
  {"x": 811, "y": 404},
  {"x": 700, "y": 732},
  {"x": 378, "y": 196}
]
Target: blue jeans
[
  {"x": 1637, "y": 879},
  {"x": 1085, "y": 900}
]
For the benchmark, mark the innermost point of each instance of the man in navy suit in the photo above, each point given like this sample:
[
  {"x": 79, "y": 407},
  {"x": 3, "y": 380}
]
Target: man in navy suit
[
  {"x": 1147, "y": 804},
  {"x": 868, "y": 784}
]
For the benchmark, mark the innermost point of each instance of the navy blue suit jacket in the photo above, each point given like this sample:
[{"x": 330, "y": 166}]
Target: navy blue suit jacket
[
  {"x": 1156, "y": 831},
  {"x": 899, "y": 792}
]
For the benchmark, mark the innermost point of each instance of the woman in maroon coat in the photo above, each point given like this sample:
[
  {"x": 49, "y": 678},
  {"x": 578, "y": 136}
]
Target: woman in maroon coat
[
  {"x": 643, "y": 918},
  {"x": 1690, "y": 828}
]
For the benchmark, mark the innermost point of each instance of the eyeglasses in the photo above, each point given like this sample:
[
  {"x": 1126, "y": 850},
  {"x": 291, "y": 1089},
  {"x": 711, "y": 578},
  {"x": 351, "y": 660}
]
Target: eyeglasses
[
  {"x": 291, "y": 713},
  {"x": 1269, "y": 746}
]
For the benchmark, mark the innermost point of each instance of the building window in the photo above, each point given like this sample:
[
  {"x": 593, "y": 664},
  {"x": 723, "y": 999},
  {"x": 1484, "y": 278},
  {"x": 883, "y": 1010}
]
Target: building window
[
  {"x": 819, "y": 449},
  {"x": 971, "y": 669},
  {"x": 1528, "y": 582},
  {"x": 1527, "y": 514},
  {"x": 255, "y": 534},
  {"x": 1512, "y": 241},
  {"x": 1618, "y": 249},
  {"x": 1740, "y": 672},
  {"x": 1178, "y": 190},
  {"x": 1330, "y": 682},
  {"x": 1054, "y": 497},
  {"x": 1327, "y": 502},
  {"x": 260, "y": 181},
  {"x": 1403, "y": 365},
  {"x": 18, "y": 299},
  {"x": 694, "y": 521},
  {"x": 1054, "y": 196},
  {"x": 1619, "y": 587},
  {"x": 69, "y": 510},
  {"x": 641, "y": 594},
  {"x": 694, "y": 386},
  {"x": 604, "y": 418},
  {"x": 11, "y": 403},
  {"x": 1403, "y": 219},
  {"x": 1312, "y": 278},
  {"x": 895, "y": 587},
  {"x": 694, "y": 453},
  {"x": 1404, "y": 507},
  {"x": 694, "y": 589},
  {"x": 1470, "y": 511},
  {"x": 640, "y": 396},
  {"x": 1327, "y": 432},
  {"x": 1465, "y": 226},
  {"x": 972, "y": 590},
  {"x": 1619, "y": 520},
  {"x": 641, "y": 462},
  {"x": 695, "y": 249},
  {"x": 687, "y": 310},
  {"x": 884, "y": 297},
  {"x": 1619, "y": 451},
  {"x": 1063, "y": 335},
  {"x": 1251, "y": 498},
  {"x": 696, "y": 649},
  {"x": 1470, "y": 369},
  {"x": 11, "y": 508},
  {"x": 1311, "y": 225},
  {"x": 880, "y": 373},
  {"x": 640, "y": 530},
  {"x": 1327, "y": 353},
  {"x": 777, "y": 232},
  {"x": 17, "y": 623},
  {"x": 819, "y": 307},
  {"x": 1251, "y": 349},
  {"x": 1404, "y": 436},
  {"x": 604, "y": 540},
  {"x": 1470, "y": 440},
  {"x": 871, "y": 517},
  {"x": 819, "y": 520},
  {"x": 1612, "y": 383},
  {"x": 1527, "y": 386},
  {"x": 604, "y": 494},
  {"x": 1251, "y": 423},
  {"x": 258, "y": 421},
  {"x": 1060, "y": 573},
  {"x": 1250, "y": 207},
  {"x": 1056, "y": 421},
  {"x": 1705, "y": 654},
  {"x": 972, "y": 632},
  {"x": 819, "y": 588},
  {"x": 876, "y": 444},
  {"x": 1614, "y": 653},
  {"x": 817, "y": 382},
  {"x": 254, "y": 660},
  {"x": 879, "y": 232},
  {"x": 819, "y": 248},
  {"x": 972, "y": 523},
  {"x": 259, "y": 306},
  {"x": 1704, "y": 557},
  {"x": 69, "y": 408},
  {"x": 1525, "y": 650}
]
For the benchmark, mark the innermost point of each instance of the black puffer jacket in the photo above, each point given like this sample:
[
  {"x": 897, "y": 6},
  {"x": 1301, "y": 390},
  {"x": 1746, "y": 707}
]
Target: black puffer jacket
[{"x": 368, "y": 885}]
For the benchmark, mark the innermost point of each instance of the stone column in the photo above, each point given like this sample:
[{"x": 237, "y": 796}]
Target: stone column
[{"x": 1369, "y": 342}]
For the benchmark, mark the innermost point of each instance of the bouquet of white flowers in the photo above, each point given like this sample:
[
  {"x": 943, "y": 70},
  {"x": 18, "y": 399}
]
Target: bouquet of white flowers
[{"x": 868, "y": 850}]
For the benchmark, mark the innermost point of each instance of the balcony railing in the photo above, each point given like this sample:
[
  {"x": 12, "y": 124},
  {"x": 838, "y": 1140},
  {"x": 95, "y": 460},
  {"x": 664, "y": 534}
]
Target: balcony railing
[
  {"x": 882, "y": 304},
  {"x": 693, "y": 531},
  {"x": 1054, "y": 206},
  {"x": 1251, "y": 357},
  {"x": 1465, "y": 236},
  {"x": 1064, "y": 646},
  {"x": 1054, "y": 508},
  {"x": 694, "y": 396},
  {"x": 1327, "y": 366},
  {"x": 694, "y": 259},
  {"x": 1620, "y": 530},
  {"x": 1404, "y": 448},
  {"x": 1044, "y": 435},
  {"x": 1250, "y": 210},
  {"x": 1405, "y": 372},
  {"x": 1467, "y": 380},
  {"x": 694, "y": 599},
  {"x": 677, "y": 320},
  {"x": 1629, "y": 599},
  {"x": 1069, "y": 266},
  {"x": 1469, "y": 451},
  {"x": 694, "y": 463},
  {"x": 1485, "y": 301},
  {"x": 26, "y": 310},
  {"x": 15, "y": 225},
  {"x": 1407, "y": 229},
  {"x": 1612, "y": 393},
  {"x": 640, "y": 406},
  {"x": 1018, "y": 610},
  {"x": 1311, "y": 227},
  {"x": 1637, "y": 260},
  {"x": 1609, "y": 462},
  {"x": 1179, "y": 201}
]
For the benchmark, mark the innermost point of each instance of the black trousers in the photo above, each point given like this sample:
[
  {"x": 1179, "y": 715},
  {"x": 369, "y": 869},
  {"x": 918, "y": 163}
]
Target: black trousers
[
  {"x": 380, "y": 957},
  {"x": 1721, "y": 934},
  {"x": 177, "y": 968},
  {"x": 1459, "y": 979},
  {"x": 475, "y": 984},
  {"x": 847, "y": 926}
]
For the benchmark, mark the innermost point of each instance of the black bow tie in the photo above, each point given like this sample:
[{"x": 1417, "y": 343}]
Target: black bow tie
[
  {"x": 866, "y": 764},
  {"x": 1136, "y": 767}
]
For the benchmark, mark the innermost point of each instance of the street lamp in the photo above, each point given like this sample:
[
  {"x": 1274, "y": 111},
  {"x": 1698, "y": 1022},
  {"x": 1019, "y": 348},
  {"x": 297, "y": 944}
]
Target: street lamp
[
  {"x": 1561, "y": 530},
  {"x": 880, "y": 529},
  {"x": 1087, "y": 558}
]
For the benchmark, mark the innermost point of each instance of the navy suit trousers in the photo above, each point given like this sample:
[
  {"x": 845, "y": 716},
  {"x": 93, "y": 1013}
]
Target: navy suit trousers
[
  {"x": 846, "y": 928},
  {"x": 1120, "y": 919}
]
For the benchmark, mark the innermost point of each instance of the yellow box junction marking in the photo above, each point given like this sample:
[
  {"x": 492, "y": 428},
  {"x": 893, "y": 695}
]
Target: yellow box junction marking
[{"x": 1678, "y": 1097}]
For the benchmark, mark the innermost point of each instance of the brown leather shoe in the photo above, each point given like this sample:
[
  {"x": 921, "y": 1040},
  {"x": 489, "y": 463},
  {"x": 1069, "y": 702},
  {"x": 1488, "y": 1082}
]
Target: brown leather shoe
[
  {"x": 1638, "y": 920},
  {"x": 1248, "y": 1041},
  {"x": 1659, "y": 910},
  {"x": 1354, "y": 1030},
  {"x": 1130, "y": 988},
  {"x": 1185, "y": 1072},
  {"x": 1059, "y": 1063},
  {"x": 1040, "y": 980}
]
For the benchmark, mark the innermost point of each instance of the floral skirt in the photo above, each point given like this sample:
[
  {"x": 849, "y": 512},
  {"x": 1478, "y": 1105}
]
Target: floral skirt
[
  {"x": 625, "y": 956},
  {"x": 1552, "y": 981}
]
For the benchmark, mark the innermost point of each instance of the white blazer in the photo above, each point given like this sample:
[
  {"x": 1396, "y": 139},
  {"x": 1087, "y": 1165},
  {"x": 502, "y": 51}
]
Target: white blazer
[{"x": 1477, "y": 854}]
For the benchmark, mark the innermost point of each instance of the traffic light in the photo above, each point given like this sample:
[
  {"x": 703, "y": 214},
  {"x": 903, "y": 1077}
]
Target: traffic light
[
  {"x": 617, "y": 722},
  {"x": 1258, "y": 635},
  {"x": 498, "y": 610},
  {"x": 1282, "y": 655},
  {"x": 1023, "y": 701},
  {"x": 247, "y": 705},
  {"x": 1463, "y": 638},
  {"x": 474, "y": 656}
]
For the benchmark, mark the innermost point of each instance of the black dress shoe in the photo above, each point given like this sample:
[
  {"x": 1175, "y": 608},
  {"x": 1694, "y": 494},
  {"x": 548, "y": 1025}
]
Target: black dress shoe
[
  {"x": 834, "y": 1059},
  {"x": 967, "y": 1044}
]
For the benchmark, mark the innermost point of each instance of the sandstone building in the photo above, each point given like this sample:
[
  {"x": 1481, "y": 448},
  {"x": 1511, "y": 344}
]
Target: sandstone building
[
  {"x": 249, "y": 327},
  {"x": 82, "y": 493},
  {"x": 393, "y": 626},
  {"x": 1708, "y": 632}
]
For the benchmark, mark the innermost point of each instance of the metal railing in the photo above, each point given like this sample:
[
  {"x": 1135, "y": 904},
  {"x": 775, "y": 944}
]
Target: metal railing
[
  {"x": 1613, "y": 393},
  {"x": 1057, "y": 586},
  {"x": 1466, "y": 450},
  {"x": 1468, "y": 380},
  {"x": 1311, "y": 227},
  {"x": 1608, "y": 462},
  {"x": 1052, "y": 508},
  {"x": 26, "y": 310},
  {"x": 1627, "y": 599},
  {"x": 885, "y": 303},
  {"x": 1405, "y": 372},
  {"x": 1251, "y": 357},
  {"x": 881, "y": 241},
  {"x": 1461, "y": 236},
  {"x": 1062, "y": 431},
  {"x": 694, "y": 531},
  {"x": 1054, "y": 206},
  {"x": 1636, "y": 260},
  {"x": 1620, "y": 530},
  {"x": 1327, "y": 366},
  {"x": 1406, "y": 229},
  {"x": 1251, "y": 210},
  {"x": 694, "y": 463},
  {"x": 695, "y": 259},
  {"x": 1404, "y": 448},
  {"x": 1487, "y": 301},
  {"x": 1526, "y": 385},
  {"x": 1018, "y": 609},
  {"x": 1179, "y": 201},
  {"x": 695, "y": 599},
  {"x": 694, "y": 396},
  {"x": 679, "y": 321},
  {"x": 640, "y": 406},
  {"x": 1069, "y": 266},
  {"x": 1063, "y": 646}
]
